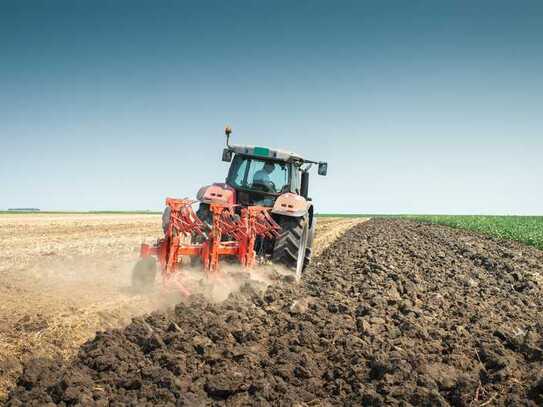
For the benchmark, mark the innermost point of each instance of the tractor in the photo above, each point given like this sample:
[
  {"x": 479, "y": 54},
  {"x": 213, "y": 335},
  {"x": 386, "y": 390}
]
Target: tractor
[{"x": 261, "y": 211}]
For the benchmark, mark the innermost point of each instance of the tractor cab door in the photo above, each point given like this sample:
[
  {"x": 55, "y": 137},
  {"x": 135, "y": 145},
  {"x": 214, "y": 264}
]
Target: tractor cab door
[{"x": 295, "y": 180}]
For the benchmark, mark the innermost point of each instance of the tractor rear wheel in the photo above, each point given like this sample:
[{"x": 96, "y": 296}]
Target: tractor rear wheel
[
  {"x": 144, "y": 273},
  {"x": 290, "y": 247}
]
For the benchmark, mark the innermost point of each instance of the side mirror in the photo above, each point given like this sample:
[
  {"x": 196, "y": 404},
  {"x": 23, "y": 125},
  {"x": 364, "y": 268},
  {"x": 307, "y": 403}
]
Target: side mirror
[
  {"x": 226, "y": 155},
  {"x": 323, "y": 168}
]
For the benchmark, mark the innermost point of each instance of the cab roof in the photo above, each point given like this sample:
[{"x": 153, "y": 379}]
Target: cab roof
[{"x": 266, "y": 152}]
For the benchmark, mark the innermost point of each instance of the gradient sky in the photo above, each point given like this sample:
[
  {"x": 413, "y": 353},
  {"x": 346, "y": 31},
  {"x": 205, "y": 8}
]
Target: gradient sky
[{"x": 418, "y": 106}]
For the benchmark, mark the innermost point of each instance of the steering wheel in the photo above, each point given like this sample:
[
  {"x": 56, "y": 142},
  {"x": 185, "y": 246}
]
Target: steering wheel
[{"x": 268, "y": 186}]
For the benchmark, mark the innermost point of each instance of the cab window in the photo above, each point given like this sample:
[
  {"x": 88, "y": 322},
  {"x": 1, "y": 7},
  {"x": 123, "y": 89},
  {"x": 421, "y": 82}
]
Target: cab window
[{"x": 259, "y": 175}]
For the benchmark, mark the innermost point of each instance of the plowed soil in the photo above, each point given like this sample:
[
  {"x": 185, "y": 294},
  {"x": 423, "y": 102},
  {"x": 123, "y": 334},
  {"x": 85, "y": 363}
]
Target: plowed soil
[
  {"x": 65, "y": 276},
  {"x": 393, "y": 313}
]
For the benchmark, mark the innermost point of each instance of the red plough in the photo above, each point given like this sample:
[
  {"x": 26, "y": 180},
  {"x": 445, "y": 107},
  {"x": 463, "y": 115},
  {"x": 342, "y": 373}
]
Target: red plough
[{"x": 230, "y": 234}]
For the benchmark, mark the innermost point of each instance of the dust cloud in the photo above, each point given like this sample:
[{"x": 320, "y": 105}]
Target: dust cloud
[
  {"x": 103, "y": 285},
  {"x": 216, "y": 287}
]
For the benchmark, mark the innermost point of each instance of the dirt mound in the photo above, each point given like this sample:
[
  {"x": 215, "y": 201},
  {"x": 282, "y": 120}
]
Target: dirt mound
[{"x": 392, "y": 312}]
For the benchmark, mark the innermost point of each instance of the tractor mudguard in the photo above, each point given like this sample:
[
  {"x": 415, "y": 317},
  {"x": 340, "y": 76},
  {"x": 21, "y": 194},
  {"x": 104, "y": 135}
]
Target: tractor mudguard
[
  {"x": 290, "y": 204},
  {"x": 217, "y": 193}
]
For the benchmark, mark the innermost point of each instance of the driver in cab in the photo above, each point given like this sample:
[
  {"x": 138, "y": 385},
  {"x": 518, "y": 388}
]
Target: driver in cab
[{"x": 262, "y": 177}]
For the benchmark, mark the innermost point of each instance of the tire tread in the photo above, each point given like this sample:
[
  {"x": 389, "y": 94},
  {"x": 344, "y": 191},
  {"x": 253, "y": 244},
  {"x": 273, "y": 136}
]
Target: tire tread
[{"x": 287, "y": 245}]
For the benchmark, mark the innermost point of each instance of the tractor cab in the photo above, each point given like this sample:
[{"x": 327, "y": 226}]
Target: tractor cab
[
  {"x": 261, "y": 174},
  {"x": 259, "y": 180}
]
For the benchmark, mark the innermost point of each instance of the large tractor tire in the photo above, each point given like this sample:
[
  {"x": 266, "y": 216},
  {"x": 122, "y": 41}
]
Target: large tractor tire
[
  {"x": 166, "y": 218},
  {"x": 144, "y": 274},
  {"x": 290, "y": 247}
]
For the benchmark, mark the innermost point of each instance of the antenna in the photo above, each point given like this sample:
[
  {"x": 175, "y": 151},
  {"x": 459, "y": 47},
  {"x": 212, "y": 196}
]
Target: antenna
[{"x": 228, "y": 131}]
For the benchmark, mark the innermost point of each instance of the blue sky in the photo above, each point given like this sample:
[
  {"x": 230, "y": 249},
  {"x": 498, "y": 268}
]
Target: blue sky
[{"x": 419, "y": 107}]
